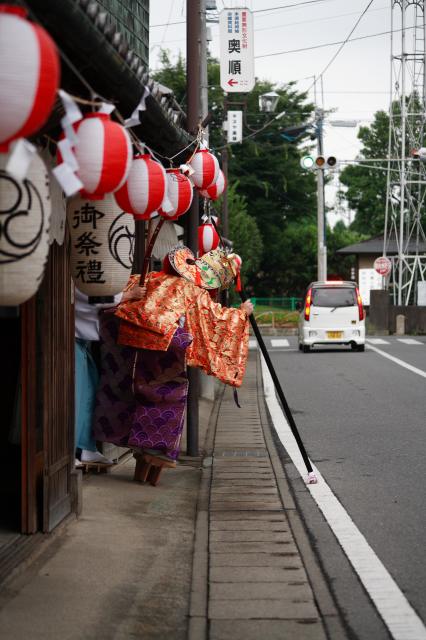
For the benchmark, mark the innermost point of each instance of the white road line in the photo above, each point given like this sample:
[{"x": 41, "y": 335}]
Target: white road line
[
  {"x": 409, "y": 341},
  {"x": 397, "y": 613},
  {"x": 377, "y": 341},
  {"x": 401, "y": 363},
  {"x": 283, "y": 342},
  {"x": 252, "y": 344}
]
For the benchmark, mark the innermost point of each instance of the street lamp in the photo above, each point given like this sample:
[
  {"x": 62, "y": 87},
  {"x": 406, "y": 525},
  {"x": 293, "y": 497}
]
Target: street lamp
[{"x": 268, "y": 101}]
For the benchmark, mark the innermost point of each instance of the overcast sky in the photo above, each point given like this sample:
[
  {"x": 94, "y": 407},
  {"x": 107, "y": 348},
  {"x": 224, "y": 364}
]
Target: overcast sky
[{"x": 356, "y": 84}]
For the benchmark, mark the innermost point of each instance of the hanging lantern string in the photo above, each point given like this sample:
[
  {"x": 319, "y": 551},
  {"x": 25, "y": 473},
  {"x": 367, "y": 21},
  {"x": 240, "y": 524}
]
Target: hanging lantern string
[
  {"x": 136, "y": 141},
  {"x": 208, "y": 210},
  {"x": 97, "y": 100},
  {"x": 67, "y": 61},
  {"x": 196, "y": 141},
  {"x": 94, "y": 94},
  {"x": 149, "y": 249},
  {"x": 92, "y": 103}
]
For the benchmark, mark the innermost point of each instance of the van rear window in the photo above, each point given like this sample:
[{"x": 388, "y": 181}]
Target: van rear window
[{"x": 334, "y": 297}]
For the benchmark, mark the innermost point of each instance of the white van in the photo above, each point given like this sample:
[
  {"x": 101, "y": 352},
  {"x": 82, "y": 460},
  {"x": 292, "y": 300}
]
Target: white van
[{"x": 332, "y": 314}]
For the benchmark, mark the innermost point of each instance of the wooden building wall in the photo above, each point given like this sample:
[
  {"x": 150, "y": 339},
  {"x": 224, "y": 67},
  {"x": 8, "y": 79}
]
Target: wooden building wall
[{"x": 48, "y": 396}]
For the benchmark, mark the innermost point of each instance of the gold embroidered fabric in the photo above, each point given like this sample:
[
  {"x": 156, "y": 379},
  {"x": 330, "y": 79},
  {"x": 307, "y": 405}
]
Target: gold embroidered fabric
[{"x": 220, "y": 334}]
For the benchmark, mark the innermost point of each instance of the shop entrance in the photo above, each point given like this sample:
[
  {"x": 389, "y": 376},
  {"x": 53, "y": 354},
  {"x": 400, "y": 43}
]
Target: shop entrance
[
  {"x": 37, "y": 408},
  {"x": 10, "y": 427}
]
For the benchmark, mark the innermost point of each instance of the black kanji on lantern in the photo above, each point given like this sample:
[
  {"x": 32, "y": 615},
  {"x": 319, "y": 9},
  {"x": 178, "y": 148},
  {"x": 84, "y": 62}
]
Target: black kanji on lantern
[
  {"x": 90, "y": 271},
  {"x": 86, "y": 244},
  {"x": 235, "y": 67},
  {"x": 234, "y": 46},
  {"x": 87, "y": 215},
  {"x": 95, "y": 271},
  {"x": 81, "y": 271}
]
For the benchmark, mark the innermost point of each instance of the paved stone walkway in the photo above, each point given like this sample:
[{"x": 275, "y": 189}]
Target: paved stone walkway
[{"x": 249, "y": 580}]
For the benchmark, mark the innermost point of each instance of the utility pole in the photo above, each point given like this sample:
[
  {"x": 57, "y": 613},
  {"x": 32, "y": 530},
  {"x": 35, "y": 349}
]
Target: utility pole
[
  {"x": 225, "y": 217},
  {"x": 321, "y": 229},
  {"x": 193, "y": 24},
  {"x": 204, "y": 83}
]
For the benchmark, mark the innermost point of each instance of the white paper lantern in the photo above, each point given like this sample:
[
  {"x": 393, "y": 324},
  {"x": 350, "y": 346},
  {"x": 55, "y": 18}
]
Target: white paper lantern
[
  {"x": 217, "y": 188},
  {"x": 102, "y": 245},
  {"x": 29, "y": 75},
  {"x": 58, "y": 199},
  {"x": 145, "y": 187},
  {"x": 103, "y": 151},
  {"x": 208, "y": 238},
  {"x": 206, "y": 169},
  {"x": 179, "y": 193},
  {"x": 25, "y": 210}
]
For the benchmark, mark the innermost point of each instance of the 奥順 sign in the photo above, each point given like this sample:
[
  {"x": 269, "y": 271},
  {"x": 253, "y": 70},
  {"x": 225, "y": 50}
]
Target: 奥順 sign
[{"x": 236, "y": 50}]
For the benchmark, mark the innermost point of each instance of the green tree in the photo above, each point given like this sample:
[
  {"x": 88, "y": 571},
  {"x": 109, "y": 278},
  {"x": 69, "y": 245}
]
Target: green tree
[
  {"x": 280, "y": 197},
  {"x": 337, "y": 238},
  {"x": 278, "y": 192},
  {"x": 365, "y": 186},
  {"x": 172, "y": 75},
  {"x": 245, "y": 234}
]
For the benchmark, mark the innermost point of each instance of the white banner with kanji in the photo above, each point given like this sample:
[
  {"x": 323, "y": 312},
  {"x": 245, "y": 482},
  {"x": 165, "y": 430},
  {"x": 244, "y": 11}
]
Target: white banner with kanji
[{"x": 236, "y": 50}]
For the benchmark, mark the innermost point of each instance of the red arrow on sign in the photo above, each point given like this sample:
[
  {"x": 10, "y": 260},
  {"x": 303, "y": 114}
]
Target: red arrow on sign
[{"x": 231, "y": 82}]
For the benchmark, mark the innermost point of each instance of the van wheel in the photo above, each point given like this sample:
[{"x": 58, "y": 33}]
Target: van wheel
[
  {"x": 361, "y": 347},
  {"x": 306, "y": 348},
  {"x": 354, "y": 346}
]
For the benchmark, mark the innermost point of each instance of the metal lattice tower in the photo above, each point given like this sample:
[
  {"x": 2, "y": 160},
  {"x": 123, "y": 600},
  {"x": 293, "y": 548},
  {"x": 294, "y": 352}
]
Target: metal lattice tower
[{"x": 406, "y": 185}]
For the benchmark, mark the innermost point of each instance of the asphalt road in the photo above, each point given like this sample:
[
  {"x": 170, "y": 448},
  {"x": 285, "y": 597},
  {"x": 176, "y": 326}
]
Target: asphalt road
[{"x": 363, "y": 421}]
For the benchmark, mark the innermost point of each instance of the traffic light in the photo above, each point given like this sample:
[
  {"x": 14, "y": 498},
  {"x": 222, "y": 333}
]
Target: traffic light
[
  {"x": 307, "y": 162},
  {"x": 318, "y": 162}
]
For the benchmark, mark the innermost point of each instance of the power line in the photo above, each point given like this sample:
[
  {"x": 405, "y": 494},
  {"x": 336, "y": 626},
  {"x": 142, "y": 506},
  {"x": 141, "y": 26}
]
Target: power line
[
  {"x": 287, "y": 6},
  {"x": 290, "y": 24},
  {"x": 165, "y": 24},
  {"x": 329, "y": 44},
  {"x": 357, "y": 92},
  {"x": 314, "y": 20},
  {"x": 168, "y": 21},
  {"x": 345, "y": 41}
]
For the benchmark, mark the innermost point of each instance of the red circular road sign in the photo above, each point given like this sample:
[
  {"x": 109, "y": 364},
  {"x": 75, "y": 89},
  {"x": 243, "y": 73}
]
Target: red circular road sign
[{"x": 383, "y": 266}]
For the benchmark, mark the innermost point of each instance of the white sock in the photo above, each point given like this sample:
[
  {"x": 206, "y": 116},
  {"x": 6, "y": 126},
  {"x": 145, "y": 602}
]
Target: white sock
[{"x": 94, "y": 456}]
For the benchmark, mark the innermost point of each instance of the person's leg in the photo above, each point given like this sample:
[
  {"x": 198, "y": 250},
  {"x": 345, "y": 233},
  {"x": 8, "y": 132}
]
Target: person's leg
[{"x": 86, "y": 380}]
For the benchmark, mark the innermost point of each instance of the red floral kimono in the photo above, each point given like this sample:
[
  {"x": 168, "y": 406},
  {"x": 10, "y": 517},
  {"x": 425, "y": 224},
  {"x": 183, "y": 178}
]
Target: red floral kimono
[
  {"x": 220, "y": 334},
  {"x": 142, "y": 393}
]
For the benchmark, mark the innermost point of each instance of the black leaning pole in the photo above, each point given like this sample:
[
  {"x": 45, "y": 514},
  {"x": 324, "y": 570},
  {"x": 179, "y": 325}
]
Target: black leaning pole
[{"x": 311, "y": 479}]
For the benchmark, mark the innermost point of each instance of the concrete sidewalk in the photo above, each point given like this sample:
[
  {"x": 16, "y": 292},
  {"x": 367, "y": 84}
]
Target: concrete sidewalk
[
  {"x": 131, "y": 567},
  {"x": 250, "y": 580}
]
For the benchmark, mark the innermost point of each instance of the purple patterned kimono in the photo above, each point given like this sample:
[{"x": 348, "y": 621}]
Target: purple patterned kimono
[{"x": 142, "y": 393}]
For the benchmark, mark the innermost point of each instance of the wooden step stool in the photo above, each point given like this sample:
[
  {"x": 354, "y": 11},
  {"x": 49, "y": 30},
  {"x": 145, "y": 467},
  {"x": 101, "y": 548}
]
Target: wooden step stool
[
  {"x": 148, "y": 468},
  {"x": 98, "y": 467}
]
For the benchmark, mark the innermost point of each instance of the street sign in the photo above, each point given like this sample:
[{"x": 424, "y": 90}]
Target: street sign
[
  {"x": 368, "y": 279},
  {"x": 235, "y": 126},
  {"x": 236, "y": 50},
  {"x": 383, "y": 266}
]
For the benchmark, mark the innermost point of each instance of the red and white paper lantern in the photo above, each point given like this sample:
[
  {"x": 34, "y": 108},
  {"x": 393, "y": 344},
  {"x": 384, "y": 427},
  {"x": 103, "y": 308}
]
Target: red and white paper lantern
[
  {"x": 206, "y": 169},
  {"x": 104, "y": 154},
  {"x": 208, "y": 238},
  {"x": 145, "y": 188},
  {"x": 25, "y": 212},
  {"x": 179, "y": 193},
  {"x": 29, "y": 75},
  {"x": 216, "y": 190}
]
